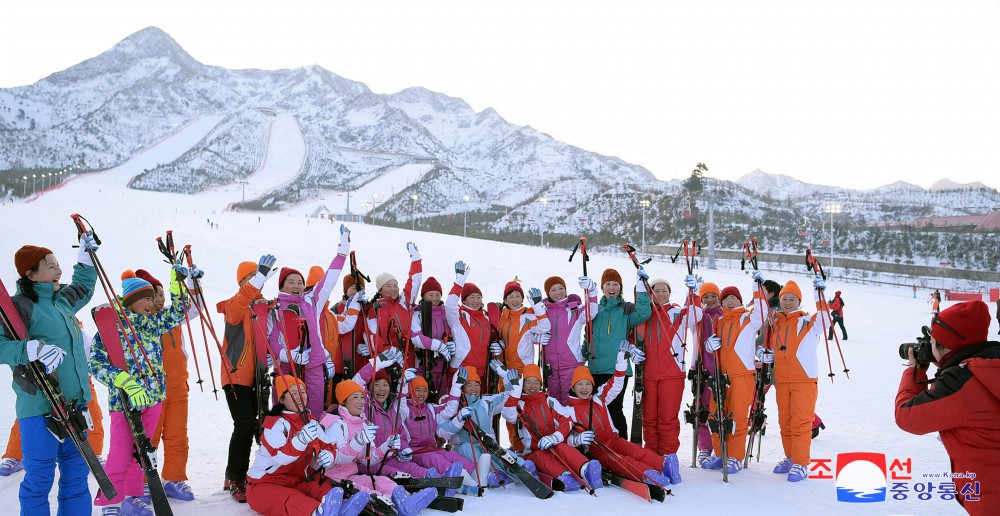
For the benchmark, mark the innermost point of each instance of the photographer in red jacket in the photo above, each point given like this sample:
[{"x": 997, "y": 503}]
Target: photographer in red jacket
[{"x": 962, "y": 403}]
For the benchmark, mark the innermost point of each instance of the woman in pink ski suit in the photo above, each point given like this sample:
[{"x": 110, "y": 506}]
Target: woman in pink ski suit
[{"x": 560, "y": 350}]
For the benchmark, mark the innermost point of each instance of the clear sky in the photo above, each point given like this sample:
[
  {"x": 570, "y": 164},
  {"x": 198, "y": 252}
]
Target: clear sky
[{"x": 857, "y": 93}]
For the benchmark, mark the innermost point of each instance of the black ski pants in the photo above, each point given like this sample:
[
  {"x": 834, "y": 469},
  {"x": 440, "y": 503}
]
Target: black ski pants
[{"x": 243, "y": 409}]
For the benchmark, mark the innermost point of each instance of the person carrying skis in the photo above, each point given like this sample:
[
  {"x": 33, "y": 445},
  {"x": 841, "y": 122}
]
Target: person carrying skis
[
  {"x": 545, "y": 434},
  {"x": 796, "y": 338},
  {"x": 518, "y": 328},
  {"x": 353, "y": 435},
  {"x": 390, "y": 314},
  {"x": 465, "y": 401},
  {"x": 733, "y": 342},
  {"x": 469, "y": 325},
  {"x": 429, "y": 332},
  {"x": 560, "y": 352},
  {"x": 588, "y": 409},
  {"x": 239, "y": 386},
  {"x": 424, "y": 433},
  {"x": 143, "y": 384},
  {"x": 837, "y": 314},
  {"x": 387, "y": 409},
  {"x": 711, "y": 309},
  {"x": 172, "y": 425},
  {"x": 614, "y": 320},
  {"x": 47, "y": 308},
  {"x": 663, "y": 377},
  {"x": 293, "y": 443},
  {"x": 350, "y": 360},
  {"x": 314, "y": 364},
  {"x": 13, "y": 458}
]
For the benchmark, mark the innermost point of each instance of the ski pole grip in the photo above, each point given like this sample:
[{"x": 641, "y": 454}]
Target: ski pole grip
[{"x": 187, "y": 253}]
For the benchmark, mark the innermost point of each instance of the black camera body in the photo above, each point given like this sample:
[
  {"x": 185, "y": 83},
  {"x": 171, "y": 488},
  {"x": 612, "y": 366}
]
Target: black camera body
[{"x": 921, "y": 349}]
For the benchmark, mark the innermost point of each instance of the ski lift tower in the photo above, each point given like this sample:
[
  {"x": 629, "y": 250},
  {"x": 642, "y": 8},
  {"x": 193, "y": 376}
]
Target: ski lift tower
[
  {"x": 833, "y": 208},
  {"x": 711, "y": 231},
  {"x": 644, "y": 203}
]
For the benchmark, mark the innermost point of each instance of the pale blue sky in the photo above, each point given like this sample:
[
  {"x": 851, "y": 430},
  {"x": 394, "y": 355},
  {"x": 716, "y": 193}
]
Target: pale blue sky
[{"x": 855, "y": 93}]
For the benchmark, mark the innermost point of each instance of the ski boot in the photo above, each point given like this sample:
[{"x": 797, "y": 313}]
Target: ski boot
[
  {"x": 657, "y": 477},
  {"x": 411, "y": 504},
  {"x": 733, "y": 465},
  {"x": 672, "y": 468},
  {"x": 179, "y": 490},
  {"x": 238, "y": 490},
  {"x": 136, "y": 506},
  {"x": 713, "y": 462},
  {"x": 703, "y": 456},
  {"x": 569, "y": 482},
  {"x": 111, "y": 510},
  {"x": 10, "y": 466},
  {"x": 591, "y": 472},
  {"x": 797, "y": 473},
  {"x": 455, "y": 470},
  {"x": 783, "y": 466},
  {"x": 530, "y": 467}
]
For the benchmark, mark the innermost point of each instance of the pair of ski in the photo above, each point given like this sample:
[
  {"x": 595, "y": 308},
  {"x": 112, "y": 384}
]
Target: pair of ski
[
  {"x": 107, "y": 323},
  {"x": 67, "y": 419},
  {"x": 649, "y": 492},
  {"x": 443, "y": 502}
]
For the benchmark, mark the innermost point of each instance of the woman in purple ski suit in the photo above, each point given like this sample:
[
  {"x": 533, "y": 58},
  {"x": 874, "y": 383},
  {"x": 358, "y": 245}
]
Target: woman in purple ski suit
[
  {"x": 430, "y": 333},
  {"x": 560, "y": 350}
]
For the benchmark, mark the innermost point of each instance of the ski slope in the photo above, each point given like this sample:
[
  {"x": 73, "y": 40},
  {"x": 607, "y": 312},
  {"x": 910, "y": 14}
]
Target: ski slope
[
  {"x": 377, "y": 190},
  {"x": 858, "y": 412}
]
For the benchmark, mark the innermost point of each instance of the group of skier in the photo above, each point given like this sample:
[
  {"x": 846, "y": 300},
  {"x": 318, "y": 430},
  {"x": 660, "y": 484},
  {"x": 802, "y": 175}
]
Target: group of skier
[{"x": 396, "y": 401}]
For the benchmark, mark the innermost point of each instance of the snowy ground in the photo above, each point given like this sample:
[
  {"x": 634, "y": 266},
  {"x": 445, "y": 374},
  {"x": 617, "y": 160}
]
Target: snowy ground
[{"x": 858, "y": 411}]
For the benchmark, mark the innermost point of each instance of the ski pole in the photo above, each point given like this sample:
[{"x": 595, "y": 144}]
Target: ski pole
[
  {"x": 202, "y": 306},
  {"x": 811, "y": 266},
  {"x": 588, "y": 325},
  {"x": 817, "y": 266},
  {"x": 168, "y": 252}
]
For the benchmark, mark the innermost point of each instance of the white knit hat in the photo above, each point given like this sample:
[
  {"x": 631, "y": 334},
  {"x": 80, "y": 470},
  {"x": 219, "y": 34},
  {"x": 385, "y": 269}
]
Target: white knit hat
[
  {"x": 654, "y": 281},
  {"x": 382, "y": 279}
]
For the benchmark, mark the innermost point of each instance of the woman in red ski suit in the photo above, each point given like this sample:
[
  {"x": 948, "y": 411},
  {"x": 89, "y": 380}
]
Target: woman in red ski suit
[{"x": 390, "y": 313}]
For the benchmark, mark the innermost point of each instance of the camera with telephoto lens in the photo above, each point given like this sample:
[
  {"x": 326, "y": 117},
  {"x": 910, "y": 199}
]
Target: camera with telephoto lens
[{"x": 921, "y": 349}]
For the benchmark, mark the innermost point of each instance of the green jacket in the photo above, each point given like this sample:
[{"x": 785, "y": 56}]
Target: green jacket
[
  {"x": 51, "y": 320},
  {"x": 614, "y": 319}
]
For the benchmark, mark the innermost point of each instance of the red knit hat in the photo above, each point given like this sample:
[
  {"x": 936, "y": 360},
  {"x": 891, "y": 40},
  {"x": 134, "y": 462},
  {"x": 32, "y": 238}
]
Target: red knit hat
[
  {"x": 611, "y": 275},
  {"x": 143, "y": 274},
  {"x": 962, "y": 325},
  {"x": 285, "y": 273},
  {"x": 469, "y": 289},
  {"x": 731, "y": 291},
  {"x": 512, "y": 286},
  {"x": 791, "y": 288},
  {"x": 553, "y": 281},
  {"x": 27, "y": 257},
  {"x": 382, "y": 375},
  {"x": 431, "y": 285}
]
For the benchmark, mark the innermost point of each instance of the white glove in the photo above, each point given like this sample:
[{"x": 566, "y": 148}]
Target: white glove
[
  {"x": 582, "y": 439},
  {"x": 50, "y": 356},
  {"x": 496, "y": 349},
  {"x": 512, "y": 376},
  {"x": 764, "y": 356},
  {"x": 549, "y": 441},
  {"x": 818, "y": 283},
  {"x": 365, "y": 436},
  {"x": 331, "y": 368},
  {"x": 535, "y": 294},
  {"x": 757, "y": 276},
  {"x": 392, "y": 443},
  {"x": 412, "y": 249},
  {"x": 345, "y": 241},
  {"x": 461, "y": 272},
  {"x": 641, "y": 277},
  {"x": 587, "y": 284},
  {"x": 87, "y": 243},
  {"x": 265, "y": 269},
  {"x": 464, "y": 413},
  {"x": 363, "y": 350},
  {"x": 409, "y": 374},
  {"x": 497, "y": 367},
  {"x": 638, "y": 355},
  {"x": 691, "y": 281},
  {"x": 713, "y": 343},
  {"x": 405, "y": 455},
  {"x": 387, "y": 358},
  {"x": 308, "y": 434},
  {"x": 324, "y": 458},
  {"x": 196, "y": 273},
  {"x": 361, "y": 297},
  {"x": 283, "y": 355},
  {"x": 544, "y": 339},
  {"x": 300, "y": 357},
  {"x": 442, "y": 348}
]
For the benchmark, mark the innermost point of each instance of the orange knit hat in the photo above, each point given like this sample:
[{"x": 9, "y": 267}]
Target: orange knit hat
[
  {"x": 709, "y": 288},
  {"x": 419, "y": 381},
  {"x": 283, "y": 383},
  {"x": 791, "y": 288},
  {"x": 345, "y": 389},
  {"x": 531, "y": 371},
  {"x": 473, "y": 375},
  {"x": 315, "y": 274},
  {"x": 245, "y": 269},
  {"x": 581, "y": 373}
]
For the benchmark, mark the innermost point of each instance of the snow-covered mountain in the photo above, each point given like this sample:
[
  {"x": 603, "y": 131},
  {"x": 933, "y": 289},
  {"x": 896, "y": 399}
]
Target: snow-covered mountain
[
  {"x": 947, "y": 184},
  {"x": 513, "y": 182}
]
